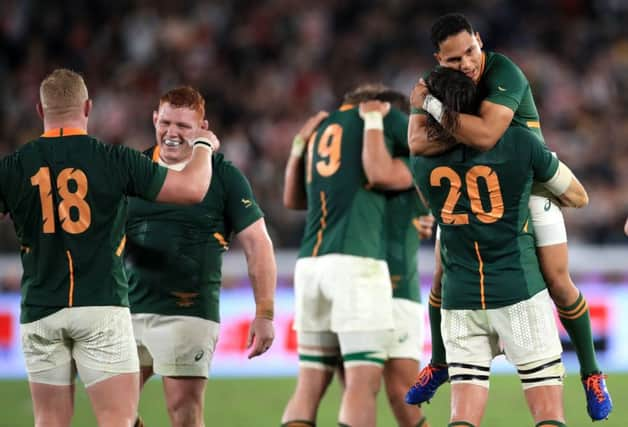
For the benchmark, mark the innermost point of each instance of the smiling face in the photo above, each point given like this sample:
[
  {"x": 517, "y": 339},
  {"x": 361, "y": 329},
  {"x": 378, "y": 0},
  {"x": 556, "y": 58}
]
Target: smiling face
[
  {"x": 174, "y": 127},
  {"x": 463, "y": 52}
]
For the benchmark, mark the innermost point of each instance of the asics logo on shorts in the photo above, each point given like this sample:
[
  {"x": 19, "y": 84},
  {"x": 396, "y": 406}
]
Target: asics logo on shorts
[
  {"x": 548, "y": 205},
  {"x": 198, "y": 356}
]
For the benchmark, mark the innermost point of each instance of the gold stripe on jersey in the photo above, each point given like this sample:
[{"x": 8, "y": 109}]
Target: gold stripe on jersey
[
  {"x": 121, "y": 245},
  {"x": 536, "y": 125},
  {"x": 57, "y": 132},
  {"x": 395, "y": 279},
  {"x": 319, "y": 234},
  {"x": 482, "y": 66},
  {"x": 345, "y": 107},
  {"x": 221, "y": 240},
  {"x": 71, "y": 268},
  {"x": 576, "y": 312},
  {"x": 525, "y": 226},
  {"x": 481, "y": 271}
]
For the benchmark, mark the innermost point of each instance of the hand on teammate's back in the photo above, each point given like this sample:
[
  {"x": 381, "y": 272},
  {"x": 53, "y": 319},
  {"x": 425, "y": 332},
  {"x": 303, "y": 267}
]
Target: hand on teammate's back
[
  {"x": 311, "y": 124},
  {"x": 207, "y": 134},
  {"x": 419, "y": 92},
  {"x": 425, "y": 226},
  {"x": 261, "y": 336},
  {"x": 374, "y": 106}
]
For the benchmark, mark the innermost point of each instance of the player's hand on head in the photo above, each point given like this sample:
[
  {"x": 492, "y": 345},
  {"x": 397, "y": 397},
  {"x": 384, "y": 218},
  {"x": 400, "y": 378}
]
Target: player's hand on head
[
  {"x": 208, "y": 135},
  {"x": 311, "y": 124},
  {"x": 261, "y": 336},
  {"x": 426, "y": 226},
  {"x": 374, "y": 106},
  {"x": 419, "y": 92}
]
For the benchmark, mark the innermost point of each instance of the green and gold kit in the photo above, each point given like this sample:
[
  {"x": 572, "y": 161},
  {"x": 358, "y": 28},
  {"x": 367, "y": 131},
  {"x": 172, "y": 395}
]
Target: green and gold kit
[
  {"x": 174, "y": 253},
  {"x": 65, "y": 192},
  {"x": 403, "y": 210},
  {"x": 344, "y": 216},
  {"x": 480, "y": 200}
]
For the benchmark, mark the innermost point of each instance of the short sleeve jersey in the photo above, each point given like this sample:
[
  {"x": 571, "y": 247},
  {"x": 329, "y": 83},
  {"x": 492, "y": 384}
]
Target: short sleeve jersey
[
  {"x": 480, "y": 200},
  {"x": 403, "y": 210},
  {"x": 65, "y": 192},
  {"x": 174, "y": 253},
  {"x": 502, "y": 82},
  {"x": 344, "y": 216}
]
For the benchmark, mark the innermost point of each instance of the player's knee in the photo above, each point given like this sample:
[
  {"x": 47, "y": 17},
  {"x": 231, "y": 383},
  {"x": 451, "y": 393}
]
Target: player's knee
[
  {"x": 466, "y": 373},
  {"x": 545, "y": 372}
]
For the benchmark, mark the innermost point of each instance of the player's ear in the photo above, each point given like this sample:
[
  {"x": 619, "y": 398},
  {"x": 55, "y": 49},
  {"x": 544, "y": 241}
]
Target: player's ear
[
  {"x": 87, "y": 107},
  {"x": 205, "y": 125},
  {"x": 437, "y": 57},
  {"x": 155, "y": 117},
  {"x": 40, "y": 110},
  {"x": 479, "y": 39}
]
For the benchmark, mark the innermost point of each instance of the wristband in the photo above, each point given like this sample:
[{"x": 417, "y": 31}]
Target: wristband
[
  {"x": 433, "y": 106},
  {"x": 203, "y": 142},
  {"x": 373, "y": 120},
  {"x": 264, "y": 309},
  {"x": 415, "y": 110},
  {"x": 298, "y": 146}
]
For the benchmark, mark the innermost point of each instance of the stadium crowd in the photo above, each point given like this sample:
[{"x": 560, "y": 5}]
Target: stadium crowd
[{"x": 264, "y": 66}]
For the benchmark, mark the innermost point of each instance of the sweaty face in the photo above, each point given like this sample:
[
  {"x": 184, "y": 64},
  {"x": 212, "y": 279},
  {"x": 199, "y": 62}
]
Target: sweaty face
[
  {"x": 174, "y": 127},
  {"x": 463, "y": 52}
]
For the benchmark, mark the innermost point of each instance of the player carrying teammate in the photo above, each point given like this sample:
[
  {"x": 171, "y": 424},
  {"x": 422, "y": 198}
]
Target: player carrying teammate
[{"x": 507, "y": 101}]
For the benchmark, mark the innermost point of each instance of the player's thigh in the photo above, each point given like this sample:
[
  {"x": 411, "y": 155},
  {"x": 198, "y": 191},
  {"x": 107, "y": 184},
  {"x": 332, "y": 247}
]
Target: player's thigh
[
  {"x": 104, "y": 345},
  {"x": 547, "y": 221},
  {"x": 318, "y": 350},
  {"x": 408, "y": 335},
  {"x": 48, "y": 350},
  {"x": 181, "y": 346},
  {"x": 360, "y": 291},
  {"x": 530, "y": 340},
  {"x": 470, "y": 344},
  {"x": 312, "y": 308},
  {"x": 184, "y": 391}
]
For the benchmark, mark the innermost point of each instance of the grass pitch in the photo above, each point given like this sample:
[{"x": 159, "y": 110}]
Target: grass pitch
[{"x": 260, "y": 402}]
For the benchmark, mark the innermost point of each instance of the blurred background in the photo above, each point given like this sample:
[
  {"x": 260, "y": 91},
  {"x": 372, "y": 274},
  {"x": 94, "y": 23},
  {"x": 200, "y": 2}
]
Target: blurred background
[{"x": 265, "y": 66}]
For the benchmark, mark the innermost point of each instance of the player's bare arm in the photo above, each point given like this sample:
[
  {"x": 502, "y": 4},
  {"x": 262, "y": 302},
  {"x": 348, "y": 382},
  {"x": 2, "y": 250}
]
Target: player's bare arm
[
  {"x": 381, "y": 169},
  {"x": 418, "y": 141},
  {"x": 260, "y": 258},
  {"x": 567, "y": 188},
  {"x": 191, "y": 184},
  {"x": 294, "y": 186},
  {"x": 425, "y": 226},
  {"x": 482, "y": 132}
]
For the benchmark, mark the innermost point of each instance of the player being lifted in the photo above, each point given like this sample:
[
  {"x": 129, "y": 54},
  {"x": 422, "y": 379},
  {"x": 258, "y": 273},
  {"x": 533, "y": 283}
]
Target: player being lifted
[
  {"x": 494, "y": 297},
  {"x": 65, "y": 192},
  {"x": 342, "y": 282},
  {"x": 506, "y": 101},
  {"x": 174, "y": 260}
]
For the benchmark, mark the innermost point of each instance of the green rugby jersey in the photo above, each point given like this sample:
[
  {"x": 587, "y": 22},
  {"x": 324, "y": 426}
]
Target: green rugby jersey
[
  {"x": 344, "y": 216},
  {"x": 174, "y": 253},
  {"x": 403, "y": 210},
  {"x": 480, "y": 200},
  {"x": 502, "y": 82},
  {"x": 65, "y": 192}
]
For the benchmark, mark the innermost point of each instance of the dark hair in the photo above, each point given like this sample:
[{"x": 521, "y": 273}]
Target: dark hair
[
  {"x": 457, "y": 93},
  {"x": 377, "y": 92},
  {"x": 449, "y": 25}
]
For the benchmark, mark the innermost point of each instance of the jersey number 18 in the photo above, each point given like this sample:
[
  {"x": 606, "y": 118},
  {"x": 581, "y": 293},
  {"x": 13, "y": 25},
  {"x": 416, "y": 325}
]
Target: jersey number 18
[{"x": 68, "y": 200}]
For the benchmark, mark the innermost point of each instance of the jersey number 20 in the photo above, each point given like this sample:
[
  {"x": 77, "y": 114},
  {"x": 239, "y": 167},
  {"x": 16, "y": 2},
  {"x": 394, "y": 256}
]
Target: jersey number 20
[
  {"x": 68, "y": 200},
  {"x": 496, "y": 209}
]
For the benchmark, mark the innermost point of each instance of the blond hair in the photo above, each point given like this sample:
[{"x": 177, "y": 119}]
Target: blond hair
[{"x": 62, "y": 91}]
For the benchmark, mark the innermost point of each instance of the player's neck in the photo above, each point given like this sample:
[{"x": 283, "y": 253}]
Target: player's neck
[{"x": 51, "y": 123}]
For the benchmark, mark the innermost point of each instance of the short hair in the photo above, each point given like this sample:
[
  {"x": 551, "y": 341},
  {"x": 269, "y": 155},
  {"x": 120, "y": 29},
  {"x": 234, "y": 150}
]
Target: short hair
[
  {"x": 185, "y": 97},
  {"x": 377, "y": 92},
  {"x": 449, "y": 25},
  {"x": 458, "y": 94},
  {"x": 62, "y": 91}
]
